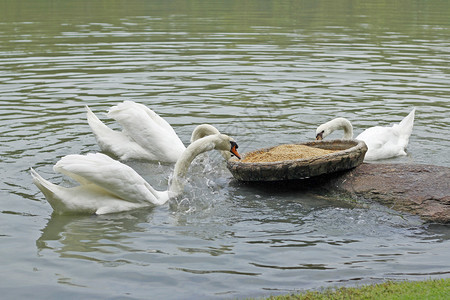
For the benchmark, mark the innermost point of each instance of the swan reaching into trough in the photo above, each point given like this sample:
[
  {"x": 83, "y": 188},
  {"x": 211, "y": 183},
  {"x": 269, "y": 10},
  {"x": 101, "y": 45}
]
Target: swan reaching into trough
[
  {"x": 382, "y": 142},
  {"x": 145, "y": 135},
  {"x": 109, "y": 186}
]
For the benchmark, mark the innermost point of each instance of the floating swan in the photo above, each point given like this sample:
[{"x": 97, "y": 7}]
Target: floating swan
[
  {"x": 382, "y": 142},
  {"x": 109, "y": 186},
  {"x": 145, "y": 135}
]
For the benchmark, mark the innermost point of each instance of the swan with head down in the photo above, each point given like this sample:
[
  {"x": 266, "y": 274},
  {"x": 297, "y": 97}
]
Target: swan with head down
[
  {"x": 145, "y": 135},
  {"x": 382, "y": 142},
  {"x": 109, "y": 186}
]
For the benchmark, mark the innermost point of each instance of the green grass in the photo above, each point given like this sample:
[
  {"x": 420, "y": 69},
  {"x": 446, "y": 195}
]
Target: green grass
[{"x": 407, "y": 290}]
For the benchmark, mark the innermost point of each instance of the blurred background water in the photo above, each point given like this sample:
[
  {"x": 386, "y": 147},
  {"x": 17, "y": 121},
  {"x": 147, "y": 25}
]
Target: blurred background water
[{"x": 265, "y": 72}]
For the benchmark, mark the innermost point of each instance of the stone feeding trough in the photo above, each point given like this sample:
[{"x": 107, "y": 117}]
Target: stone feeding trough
[{"x": 298, "y": 161}]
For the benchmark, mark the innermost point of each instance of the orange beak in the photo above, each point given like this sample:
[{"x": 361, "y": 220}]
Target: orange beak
[
  {"x": 319, "y": 136},
  {"x": 234, "y": 151}
]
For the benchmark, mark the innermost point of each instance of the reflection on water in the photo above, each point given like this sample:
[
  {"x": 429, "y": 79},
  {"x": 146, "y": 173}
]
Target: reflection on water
[
  {"x": 264, "y": 72},
  {"x": 236, "y": 243},
  {"x": 79, "y": 237}
]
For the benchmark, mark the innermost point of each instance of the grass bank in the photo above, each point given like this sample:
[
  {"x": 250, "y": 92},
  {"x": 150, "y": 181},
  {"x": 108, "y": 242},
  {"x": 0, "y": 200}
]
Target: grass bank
[{"x": 429, "y": 289}]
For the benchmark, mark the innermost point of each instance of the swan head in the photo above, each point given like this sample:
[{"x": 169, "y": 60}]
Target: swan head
[
  {"x": 322, "y": 131},
  {"x": 226, "y": 143},
  {"x": 234, "y": 147},
  {"x": 206, "y": 130},
  {"x": 339, "y": 123}
]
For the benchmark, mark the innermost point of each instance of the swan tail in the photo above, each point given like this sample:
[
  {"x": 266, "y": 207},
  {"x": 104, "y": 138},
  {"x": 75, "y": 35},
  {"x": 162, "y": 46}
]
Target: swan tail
[
  {"x": 45, "y": 186},
  {"x": 109, "y": 140},
  {"x": 406, "y": 125},
  {"x": 405, "y": 128},
  {"x": 96, "y": 125},
  {"x": 409, "y": 119},
  {"x": 49, "y": 190}
]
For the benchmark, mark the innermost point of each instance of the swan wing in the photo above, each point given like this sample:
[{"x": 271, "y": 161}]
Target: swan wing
[
  {"x": 386, "y": 142},
  {"x": 382, "y": 142},
  {"x": 88, "y": 198},
  {"x": 149, "y": 130},
  {"x": 112, "y": 176},
  {"x": 114, "y": 142}
]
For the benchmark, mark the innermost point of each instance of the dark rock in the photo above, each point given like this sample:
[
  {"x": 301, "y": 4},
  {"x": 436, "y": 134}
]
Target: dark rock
[{"x": 422, "y": 190}]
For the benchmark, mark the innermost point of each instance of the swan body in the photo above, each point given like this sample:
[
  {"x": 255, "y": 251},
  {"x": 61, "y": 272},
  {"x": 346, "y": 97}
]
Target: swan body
[
  {"x": 109, "y": 186},
  {"x": 145, "y": 135},
  {"x": 382, "y": 142}
]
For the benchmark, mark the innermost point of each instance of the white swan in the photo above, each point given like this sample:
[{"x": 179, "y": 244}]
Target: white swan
[
  {"x": 145, "y": 135},
  {"x": 382, "y": 142},
  {"x": 109, "y": 186}
]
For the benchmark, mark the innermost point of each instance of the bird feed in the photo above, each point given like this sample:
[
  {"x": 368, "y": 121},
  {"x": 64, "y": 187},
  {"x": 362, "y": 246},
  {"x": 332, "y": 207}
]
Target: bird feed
[{"x": 285, "y": 152}]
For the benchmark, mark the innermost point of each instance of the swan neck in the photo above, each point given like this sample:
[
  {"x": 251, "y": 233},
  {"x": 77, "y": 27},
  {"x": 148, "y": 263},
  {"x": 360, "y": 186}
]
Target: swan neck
[
  {"x": 342, "y": 123},
  {"x": 348, "y": 131},
  {"x": 203, "y": 130},
  {"x": 182, "y": 165}
]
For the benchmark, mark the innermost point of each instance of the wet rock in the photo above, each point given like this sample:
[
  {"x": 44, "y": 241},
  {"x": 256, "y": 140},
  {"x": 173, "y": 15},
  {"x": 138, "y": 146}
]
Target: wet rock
[{"x": 422, "y": 190}]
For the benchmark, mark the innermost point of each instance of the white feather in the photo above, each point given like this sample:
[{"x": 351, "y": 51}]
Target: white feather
[
  {"x": 144, "y": 136},
  {"x": 108, "y": 186},
  {"x": 382, "y": 142}
]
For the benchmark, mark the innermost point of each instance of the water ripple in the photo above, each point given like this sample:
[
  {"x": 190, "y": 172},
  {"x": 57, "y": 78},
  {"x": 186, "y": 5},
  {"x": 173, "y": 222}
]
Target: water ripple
[{"x": 262, "y": 78}]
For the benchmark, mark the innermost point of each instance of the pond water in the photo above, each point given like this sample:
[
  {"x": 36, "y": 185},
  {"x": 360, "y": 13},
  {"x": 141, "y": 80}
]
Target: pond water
[{"x": 264, "y": 72}]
